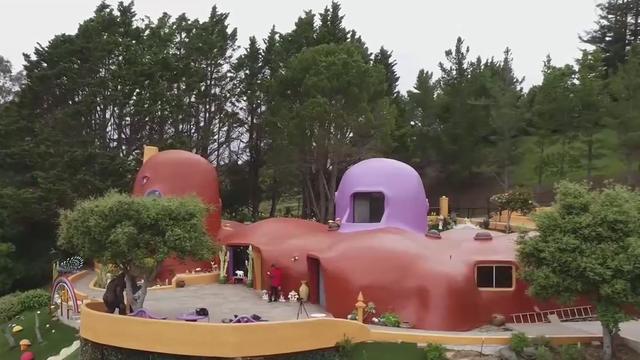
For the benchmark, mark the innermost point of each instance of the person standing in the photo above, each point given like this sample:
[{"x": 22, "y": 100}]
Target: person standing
[{"x": 276, "y": 283}]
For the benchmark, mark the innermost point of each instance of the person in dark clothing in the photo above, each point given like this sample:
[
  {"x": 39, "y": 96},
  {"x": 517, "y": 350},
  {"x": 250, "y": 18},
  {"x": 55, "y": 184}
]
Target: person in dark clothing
[
  {"x": 114, "y": 295},
  {"x": 276, "y": 283}
]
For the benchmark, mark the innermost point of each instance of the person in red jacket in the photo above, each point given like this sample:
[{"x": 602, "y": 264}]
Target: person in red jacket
[{"x": 276, "y": 283}]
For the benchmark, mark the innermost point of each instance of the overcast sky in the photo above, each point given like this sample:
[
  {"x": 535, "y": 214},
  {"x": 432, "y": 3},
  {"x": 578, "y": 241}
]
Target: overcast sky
[{"x": 417, "y": 31}]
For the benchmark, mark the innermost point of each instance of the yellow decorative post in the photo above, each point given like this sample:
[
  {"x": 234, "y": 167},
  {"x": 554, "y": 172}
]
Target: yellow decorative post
[
  {"x": 149, "y": 151},
  {"x": 444, "y": 206},
  {"x": 360, "y": 305}
]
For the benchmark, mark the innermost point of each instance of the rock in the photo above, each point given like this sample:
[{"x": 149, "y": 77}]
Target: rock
[
  {"x": 506, "y": 353},
  {"x": 529, "y": 353},
  {"x": 498, "y": 320}
]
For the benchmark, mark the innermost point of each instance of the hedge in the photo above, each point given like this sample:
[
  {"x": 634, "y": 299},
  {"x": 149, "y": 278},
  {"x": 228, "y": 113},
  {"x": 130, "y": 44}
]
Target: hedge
[{"x": 16, "y": 303}]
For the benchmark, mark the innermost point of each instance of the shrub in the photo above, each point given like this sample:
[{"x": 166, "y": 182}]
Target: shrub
[
  {"x": 345, "y": 348},
  {"x": 543, "y": 353},
  {"x": 541, "y": 341},
  {"x": 390, "y": 319},
  {"x": 9, "y": 307},
  {"x": 435, "y": 352},
  {"x": 34, "y": 299},
  {"x": 13, "y": 304},
  {"x": 571, "y": 352},
  {"x": 519, "y": 341}
]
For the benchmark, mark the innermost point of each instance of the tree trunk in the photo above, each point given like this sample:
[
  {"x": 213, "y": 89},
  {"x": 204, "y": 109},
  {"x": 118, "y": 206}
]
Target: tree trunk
[
  {"x": 590, "y": 157},
  {"x": 562, "y": 156},
  {"x": 134, "y": 304},
  {"x": 322, "y": 198},
  {"x": 332, "y": 191},
  {"x": 540, "y": 163},
  {"x": 607, "y": 344},
  {"x": 509, "y": 221},
  {"x": 274, "y": 197},
  {"x": 629, "y": 161}
]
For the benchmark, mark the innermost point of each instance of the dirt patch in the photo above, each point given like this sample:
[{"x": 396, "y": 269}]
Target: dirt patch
[{"x": 621, "y": 352}]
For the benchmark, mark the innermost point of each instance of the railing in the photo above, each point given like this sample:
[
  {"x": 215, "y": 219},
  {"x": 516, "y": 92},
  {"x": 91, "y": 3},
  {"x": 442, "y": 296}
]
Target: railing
[{"x": 564, "y": 314}]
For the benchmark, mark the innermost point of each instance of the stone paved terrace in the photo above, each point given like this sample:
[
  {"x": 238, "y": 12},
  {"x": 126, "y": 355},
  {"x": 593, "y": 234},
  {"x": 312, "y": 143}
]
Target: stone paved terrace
[{"x": 222, "y": 301}]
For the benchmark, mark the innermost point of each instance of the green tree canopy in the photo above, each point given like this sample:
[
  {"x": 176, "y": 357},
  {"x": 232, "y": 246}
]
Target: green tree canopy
[
  {"x": 588, "y": 247},
  {"x": 136, "y": 234}
]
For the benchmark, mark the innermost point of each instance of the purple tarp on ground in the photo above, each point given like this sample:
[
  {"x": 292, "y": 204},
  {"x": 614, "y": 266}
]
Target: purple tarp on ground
[{"x": 145, "y": 314}]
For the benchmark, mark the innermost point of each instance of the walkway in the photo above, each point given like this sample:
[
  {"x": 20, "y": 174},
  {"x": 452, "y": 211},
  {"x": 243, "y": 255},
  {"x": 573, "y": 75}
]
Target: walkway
[{"x": 222, "y": 301}]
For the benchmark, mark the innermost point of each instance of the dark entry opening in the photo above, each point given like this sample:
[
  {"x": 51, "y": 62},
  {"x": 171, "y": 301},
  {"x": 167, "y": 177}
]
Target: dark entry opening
[
  {"x": 368, "y": 207},
  {"x": 239, "y": 259}
]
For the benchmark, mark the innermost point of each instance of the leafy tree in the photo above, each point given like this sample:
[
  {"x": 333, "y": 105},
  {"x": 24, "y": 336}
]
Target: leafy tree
[
  {"x": 624, "y": 89},
  {"x": 9, "y": 81},
  {"x": 590, "y": 101},
  {"x": 553, "y": 110},
  {"x": 251, "y": 71},
  {"x": 588, "y": 247},
  {"x": 419, "y": 127},
  {"x": 136, "y": 234},
  {"x": 617, "y": 29},
  {"x": 334, "y": 112},
  {"x": 518, "y": 200},
  {"x": 7, "y": 270},
  {"x": 502, "y": 99}
]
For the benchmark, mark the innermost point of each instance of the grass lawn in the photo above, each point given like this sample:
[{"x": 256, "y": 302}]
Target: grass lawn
[
  {"x": 74, "y": 355},
  {"x": 386, "y": 351},
  {"x": 55, "y": 337}
]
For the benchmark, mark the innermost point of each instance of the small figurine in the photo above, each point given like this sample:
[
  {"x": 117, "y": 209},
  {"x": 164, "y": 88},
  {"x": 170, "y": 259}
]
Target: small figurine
[
  {"x": 265, "y": 295},
  {"x": 293, "y": 296},
  {"x": 334, "y": 225},
  {"x": 282, "y": 298}
]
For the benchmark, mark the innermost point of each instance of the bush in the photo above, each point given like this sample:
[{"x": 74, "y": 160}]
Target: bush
[
  {"x": 34, "y": 299},
  {"x": 539, "y": 341},
  {"x": 9, "y": 307},
  {"x": 435, "y": 352},
  {"x": 345, "y": 348},
  {"x": 390, "y": 319},
  {"x": 571, "y": 352},
  {"x": 519, "y": 341},
  {"x": 543, "y": 353},
  {"x": 14, "y": 304}
]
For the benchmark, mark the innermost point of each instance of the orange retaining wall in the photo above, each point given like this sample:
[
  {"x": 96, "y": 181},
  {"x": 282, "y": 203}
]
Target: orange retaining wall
[
  {"x": 215, "y": 340},
  {"x": 258, "y": 339}
]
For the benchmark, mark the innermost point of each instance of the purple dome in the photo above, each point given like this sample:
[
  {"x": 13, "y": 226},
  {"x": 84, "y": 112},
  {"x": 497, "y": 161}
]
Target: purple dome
[{"x": 378, "y": 193}]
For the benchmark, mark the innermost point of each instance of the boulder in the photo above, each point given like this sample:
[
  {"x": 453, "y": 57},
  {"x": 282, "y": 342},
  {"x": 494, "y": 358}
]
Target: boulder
[
  {"x": 506, "y": 353},
  {"x": 529, "y": 353},
  {"x": 498, "y": 320}
]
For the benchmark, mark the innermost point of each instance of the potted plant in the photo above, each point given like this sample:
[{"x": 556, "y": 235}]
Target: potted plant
[{"x": 180, "y": 283}]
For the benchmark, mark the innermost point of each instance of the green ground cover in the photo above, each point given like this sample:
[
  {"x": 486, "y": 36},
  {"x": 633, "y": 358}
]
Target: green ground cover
[{"x": 55, "y": 336}]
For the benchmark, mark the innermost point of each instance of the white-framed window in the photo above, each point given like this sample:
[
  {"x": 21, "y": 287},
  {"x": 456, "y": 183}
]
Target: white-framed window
[{"x": 495, "y": 277}]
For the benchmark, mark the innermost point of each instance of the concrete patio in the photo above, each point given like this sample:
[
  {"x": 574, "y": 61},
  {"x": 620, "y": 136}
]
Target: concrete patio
[{"x": 222, "y": 301}]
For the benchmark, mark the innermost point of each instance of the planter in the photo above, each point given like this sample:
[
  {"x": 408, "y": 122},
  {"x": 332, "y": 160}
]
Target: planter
[
  {"x": 406, "y": 325},
  {"x": 180, "y": 283}
]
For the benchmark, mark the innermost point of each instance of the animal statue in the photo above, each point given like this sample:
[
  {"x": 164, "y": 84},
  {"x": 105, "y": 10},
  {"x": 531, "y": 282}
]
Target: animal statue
[{"x": 113, "y": 297}]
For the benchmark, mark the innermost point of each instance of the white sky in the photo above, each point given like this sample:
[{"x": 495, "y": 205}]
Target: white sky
[{"x": 417, "y": 31}]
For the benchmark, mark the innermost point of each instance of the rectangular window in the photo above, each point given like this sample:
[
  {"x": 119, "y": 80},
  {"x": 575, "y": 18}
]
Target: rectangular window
[
  {"x": 494, "y": 277},
  {"x": 368, "y": 207}
]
